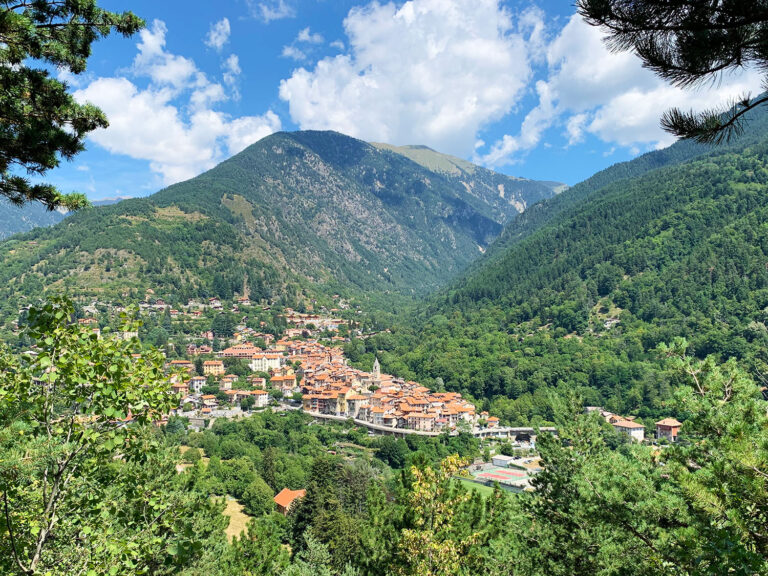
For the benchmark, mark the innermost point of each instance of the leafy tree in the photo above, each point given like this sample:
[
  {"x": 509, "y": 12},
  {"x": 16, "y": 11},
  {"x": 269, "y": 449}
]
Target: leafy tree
[
  {"x": 40, "y": 122},
  {"x": 393, "y": 451},
  {"x": 689, "y": 43},
  {"x": 431, "y": 546},
  {"x": 63, "y": 413},
  {"x": 257, "y": 498}
]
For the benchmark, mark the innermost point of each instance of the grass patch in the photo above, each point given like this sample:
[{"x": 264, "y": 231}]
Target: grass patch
[
  {"x": 238, "y": 519},
  {"x": 485, "y": 491}
]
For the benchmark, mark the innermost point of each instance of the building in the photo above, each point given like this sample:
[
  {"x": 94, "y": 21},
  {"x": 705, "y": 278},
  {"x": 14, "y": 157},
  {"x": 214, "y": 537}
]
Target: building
[
  {"x": 213, "y": 367},
  {"x": 502, "y": 461},
  {"x": 261, "y": 398},
  {"x": 286, "y": 498},
  {"x": 266, "y": 361},
  {"x": 196, "y": 384},
  {"x": 668, "y": 428},
  {"x": 240, "y": 351},
  {"x": 285, "y": 383},
  {"x": 179, "y": 365},
  {"x": 180, "y": 388},
  {"x": 634, "y": 430}
]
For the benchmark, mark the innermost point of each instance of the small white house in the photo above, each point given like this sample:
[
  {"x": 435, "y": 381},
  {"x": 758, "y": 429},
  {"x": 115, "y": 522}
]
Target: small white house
[
  {"x": 634, "y": 430},
  {"x": 502, "y": 461},
  {"x": 261, "y": 398}
]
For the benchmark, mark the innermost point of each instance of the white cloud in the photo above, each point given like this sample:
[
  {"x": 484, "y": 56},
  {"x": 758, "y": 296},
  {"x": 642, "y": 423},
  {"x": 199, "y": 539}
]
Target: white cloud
[
  {"x": 306, "y": 36},
  {"x": 218, "y": 35},
  {"x": 308, "y": 39},
  {"x": 171, "y": 123},
  {"x": 430, "y": 71},
  {"x": 161, "y": 66},
  {"x": 293, "y": 53},
  {"x": 591, "y": 90},
  {"x": 231, "y": 67},
  {"x": 271, "y": 10}
]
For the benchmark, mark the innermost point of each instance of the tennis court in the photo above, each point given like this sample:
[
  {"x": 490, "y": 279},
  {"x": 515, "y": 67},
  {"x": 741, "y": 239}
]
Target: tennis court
[{"x": 509, "y": 476}]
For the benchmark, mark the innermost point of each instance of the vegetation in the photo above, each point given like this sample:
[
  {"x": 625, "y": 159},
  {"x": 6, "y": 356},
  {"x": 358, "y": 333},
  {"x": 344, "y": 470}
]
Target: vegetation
[
  {"x": 582, "y": 299},
  {"x": 291, "y": 218},
  {"x": 40, "y": 122},
  {"x": 690, "y": 44}
]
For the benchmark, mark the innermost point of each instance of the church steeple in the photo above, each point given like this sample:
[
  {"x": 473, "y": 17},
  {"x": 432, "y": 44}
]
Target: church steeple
[{"x": 376, "y": 371}]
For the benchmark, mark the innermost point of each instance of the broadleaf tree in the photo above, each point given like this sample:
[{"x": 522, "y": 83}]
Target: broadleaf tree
[{"x": 68, "y": 407}]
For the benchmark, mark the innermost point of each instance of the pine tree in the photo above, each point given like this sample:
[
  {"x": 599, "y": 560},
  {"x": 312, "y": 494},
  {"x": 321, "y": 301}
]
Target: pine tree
[
  {"x": 40, "y": 122},
  {"x": 688, "y": 43}
]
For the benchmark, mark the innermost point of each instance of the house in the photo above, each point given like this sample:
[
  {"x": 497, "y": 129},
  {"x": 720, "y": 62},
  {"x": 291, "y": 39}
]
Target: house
[
  {"x": 196, "y": 384},
  {"x": 240, "y": 351},
  {"x": 181, "y": 365},
  {"x": 286, "y": 498},
  {"x": 266, "y": 361},
  {"x": 261, "y": 398},
  {"x": 180, "y": 388},
  {"x": 210, "y": 401},
  {"x": 421, "y": 421},
  {"x": 227, "y": 382},
  {"x": 285, "y": 383},
  {"x": 257, "y": 381},
  {"x": 493, "y": 422},
  {"x": 501, "y": 460},
  {"x": 632, "y": 429},
  {"x": 668, "y": 428},
  {"x": 213, "y": 367}
]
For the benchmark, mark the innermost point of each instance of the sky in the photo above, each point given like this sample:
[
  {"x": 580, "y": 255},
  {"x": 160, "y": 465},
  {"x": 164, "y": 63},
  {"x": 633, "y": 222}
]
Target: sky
[{"x": 524, "y": 88}]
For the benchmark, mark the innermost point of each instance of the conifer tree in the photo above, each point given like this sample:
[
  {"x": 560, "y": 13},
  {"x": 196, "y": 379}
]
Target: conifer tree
[
  {"x": 688, "y": 43},
  {"x": 40, "y": 122}
]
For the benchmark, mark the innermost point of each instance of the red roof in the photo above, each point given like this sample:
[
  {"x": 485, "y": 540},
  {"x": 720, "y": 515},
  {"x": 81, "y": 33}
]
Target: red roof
[
  {"x": 286, "y": 497},
  {"x": 669, "y": 422}
]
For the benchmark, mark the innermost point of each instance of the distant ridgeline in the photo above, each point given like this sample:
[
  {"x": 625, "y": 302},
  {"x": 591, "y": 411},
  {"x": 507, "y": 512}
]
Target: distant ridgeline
[
  {"x": 303, "y": 210},
  {"x": 579, "y": 291},
  {"x": 15, "y": 219}
]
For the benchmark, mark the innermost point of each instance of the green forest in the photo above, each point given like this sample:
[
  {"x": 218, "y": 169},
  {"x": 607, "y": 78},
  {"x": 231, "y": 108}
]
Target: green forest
[
  {"x": 581, "y": 300},
  {"x": 83, "y": 493}
]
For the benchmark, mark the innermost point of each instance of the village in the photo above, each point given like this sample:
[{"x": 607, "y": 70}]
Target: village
[{"x": 299, "y": 372}]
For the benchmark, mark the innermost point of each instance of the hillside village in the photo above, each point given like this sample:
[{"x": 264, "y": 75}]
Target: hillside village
[{"x": 297, "y": 371}]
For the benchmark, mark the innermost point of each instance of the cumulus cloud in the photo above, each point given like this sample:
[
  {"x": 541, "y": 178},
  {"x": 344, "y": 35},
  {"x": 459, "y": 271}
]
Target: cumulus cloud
[
  {"x": 430, "y": 71},
  {"x": 231, "y": 67},
  {"x": 171, "y": 122},
  {"x": 218, "y": 35},
  {"x": 272, "y": 10},
  {"x": 308, "y": 39},
  {"x": 590, "y": 90},
  {"x": 312, "y": 38}
]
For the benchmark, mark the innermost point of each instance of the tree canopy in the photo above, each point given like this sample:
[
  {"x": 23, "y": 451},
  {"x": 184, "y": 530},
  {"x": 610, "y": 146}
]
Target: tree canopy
[
  {"x": 688, "y": 43},
  {"x": 40, "y": 121}
]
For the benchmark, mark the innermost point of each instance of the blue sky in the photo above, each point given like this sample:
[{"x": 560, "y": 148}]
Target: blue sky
[{"x": 525, "y": 88}]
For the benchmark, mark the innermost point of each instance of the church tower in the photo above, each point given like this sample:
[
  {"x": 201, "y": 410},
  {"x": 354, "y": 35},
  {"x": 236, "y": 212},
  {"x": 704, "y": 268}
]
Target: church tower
[{"x": 376, "y": 376}]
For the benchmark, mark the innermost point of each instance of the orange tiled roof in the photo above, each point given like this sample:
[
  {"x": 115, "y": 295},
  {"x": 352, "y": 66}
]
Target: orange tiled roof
[{"x": 286, "y": 497}]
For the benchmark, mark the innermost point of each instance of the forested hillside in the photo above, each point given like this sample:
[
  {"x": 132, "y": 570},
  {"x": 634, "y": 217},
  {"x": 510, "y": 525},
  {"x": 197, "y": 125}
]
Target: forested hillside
[
  {"x": 582, "y": 299},
  {"x": 294, "y": 210},
  {"x": 15, "y": 219}
]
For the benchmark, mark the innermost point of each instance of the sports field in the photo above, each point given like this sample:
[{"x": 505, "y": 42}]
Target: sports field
[{"x": 508, "y": 476}]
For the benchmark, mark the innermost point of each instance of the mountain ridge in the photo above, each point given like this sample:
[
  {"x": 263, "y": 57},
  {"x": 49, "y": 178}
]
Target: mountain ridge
[{"x": 293, "y": 211}]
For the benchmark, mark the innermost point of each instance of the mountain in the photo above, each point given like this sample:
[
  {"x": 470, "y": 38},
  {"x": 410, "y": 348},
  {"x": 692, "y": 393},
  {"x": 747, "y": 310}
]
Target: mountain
[
  {"x": 15, "y": 219},
  {"x": 293, "y": 210},
  {"x": 579, "y": 292}
]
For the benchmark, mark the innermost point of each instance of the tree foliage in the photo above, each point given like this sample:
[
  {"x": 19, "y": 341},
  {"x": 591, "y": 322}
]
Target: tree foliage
[
  {"x": 689, "y": 43},
  {"x": 40, "y": 122},
  {"x": 64, "y": 410}
]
